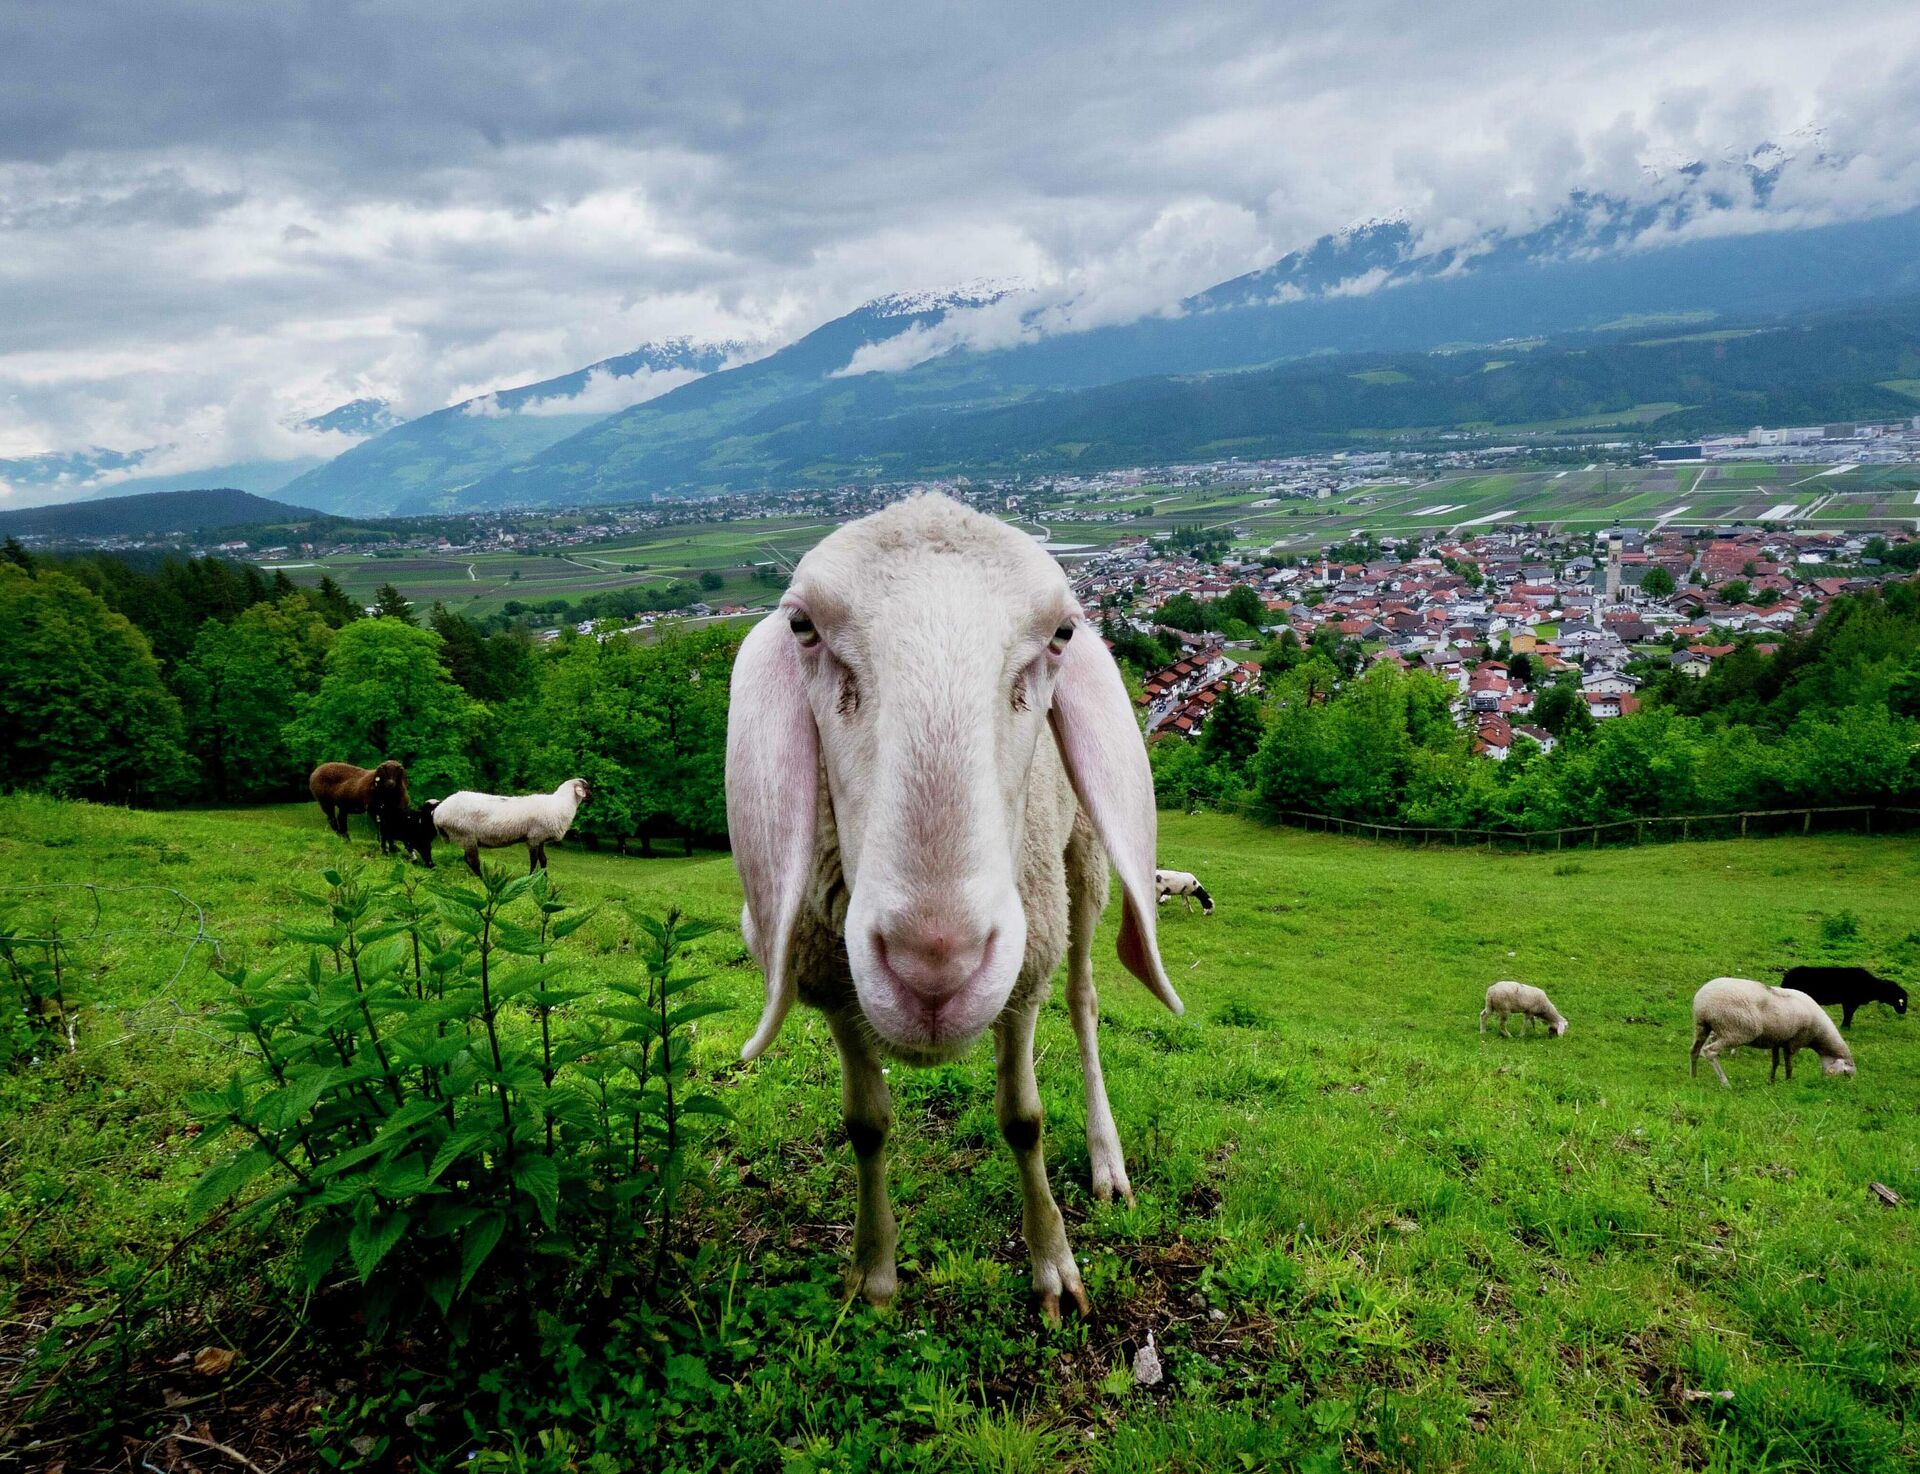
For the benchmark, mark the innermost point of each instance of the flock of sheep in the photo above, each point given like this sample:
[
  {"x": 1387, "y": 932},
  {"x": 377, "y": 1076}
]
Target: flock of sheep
[
  {"x": 1731, "y": 1012},
  {"x": 474, "y": 821},
  {"x": 932, "y": 763}
]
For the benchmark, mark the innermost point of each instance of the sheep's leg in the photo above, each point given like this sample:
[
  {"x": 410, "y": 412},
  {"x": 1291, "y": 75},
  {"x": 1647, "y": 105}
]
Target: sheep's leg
[
  {"x": 473, "y": 858},
  {"x": 1700, "y": 1033},
  {"x": 1483, "y": 1020},
  {"x": 1503, "y": 1025},
  {"x": 533, "y": 858},
  {"x": 1712, "y": 1056},
  {"x": 1016, "y": 1099},
  {"x": 1773, "y": 1069},
  {"x": 1846, "y": 1014},
  {"x": 1789, "y": 1052},
  {"x": 867, "y": 1107},
  {"x": 1108, "y": 1164}
]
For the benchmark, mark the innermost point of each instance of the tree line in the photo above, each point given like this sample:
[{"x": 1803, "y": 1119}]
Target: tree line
[{"x": 204, "y": 680}]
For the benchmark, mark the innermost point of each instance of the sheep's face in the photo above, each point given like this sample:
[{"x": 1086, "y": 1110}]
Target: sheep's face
[
  {"x": 929, "y": 675},
  {"x": 1835, "y": 1064},
  {"x": 1559, "y": 1027},
  {"x": 578, "y": 787}
]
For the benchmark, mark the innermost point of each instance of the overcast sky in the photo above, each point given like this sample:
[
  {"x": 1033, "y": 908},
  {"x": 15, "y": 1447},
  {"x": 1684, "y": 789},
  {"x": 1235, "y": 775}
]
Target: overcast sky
[{"x": 216, "y": 217}]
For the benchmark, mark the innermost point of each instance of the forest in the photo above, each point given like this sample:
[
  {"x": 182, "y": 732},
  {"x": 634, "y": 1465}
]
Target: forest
[{"x": 205, "y": 681}]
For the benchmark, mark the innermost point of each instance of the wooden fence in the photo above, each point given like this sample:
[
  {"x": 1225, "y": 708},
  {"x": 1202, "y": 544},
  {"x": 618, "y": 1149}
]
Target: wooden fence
[{"x": 1748, "y": 824}]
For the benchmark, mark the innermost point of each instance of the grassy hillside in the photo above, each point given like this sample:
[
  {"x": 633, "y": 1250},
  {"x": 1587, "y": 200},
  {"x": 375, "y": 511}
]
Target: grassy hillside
[{"x": 1366, "y": 1235}]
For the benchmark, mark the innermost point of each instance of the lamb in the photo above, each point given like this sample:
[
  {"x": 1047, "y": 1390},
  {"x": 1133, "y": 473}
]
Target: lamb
[
  {"x": 380, "y": 793},
  {"x": 1171, "y": 883},
  {"x": 931, "y": 759},
  {"x": 1511, "y": 998},
  {"x": 477, "y": 821},
  {"x": 1729, "y": 1012},
  {"x": 1850, "y": 987},
  {"x": 415, "y": 831}
]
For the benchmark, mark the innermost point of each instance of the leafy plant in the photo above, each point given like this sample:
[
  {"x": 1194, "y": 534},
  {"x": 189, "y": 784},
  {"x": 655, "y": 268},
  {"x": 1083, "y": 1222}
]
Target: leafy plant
[
  {"x": 445, "y": 1105},
  {"x": 37, "y": 972}
]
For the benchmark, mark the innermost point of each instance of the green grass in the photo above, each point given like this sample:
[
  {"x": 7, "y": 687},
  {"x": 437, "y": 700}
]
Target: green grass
[{"x": 1366, "y": 1235}]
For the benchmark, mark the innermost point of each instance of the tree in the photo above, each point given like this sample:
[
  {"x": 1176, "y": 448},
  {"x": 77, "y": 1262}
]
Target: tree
[
  {"x": 1657, "y": 583},
  {"x": 1232, "y": 731},
  {"x": 386, "y": 695},
  {"x": 711, "y": 580},
  {"x": 83, "y": 712},
  {"x": 332, "y": 603},
  {"x": 15, "y": 554},
  {"x": 237, "y": 688},
  {"x": 390, "y": 603},
  {"x": 1735, "y": 591},
  {"x": 1563, "y": 711},
  {"x": 1520, "y": 668},
  {"x": 1183, "y": 612},
  {"x": 1766, "y": 598},
  {"x": 1240, "y": 603}
]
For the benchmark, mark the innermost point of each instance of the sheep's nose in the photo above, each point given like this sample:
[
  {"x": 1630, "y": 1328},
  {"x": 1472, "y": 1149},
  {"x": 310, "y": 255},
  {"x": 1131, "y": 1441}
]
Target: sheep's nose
[{"x": 933, "y": 961}]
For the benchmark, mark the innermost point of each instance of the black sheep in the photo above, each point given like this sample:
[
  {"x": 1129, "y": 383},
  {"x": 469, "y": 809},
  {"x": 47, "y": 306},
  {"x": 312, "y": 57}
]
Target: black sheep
[
  {"x": 414, "y": 830},
  {"x": 1849, "y": 987}
]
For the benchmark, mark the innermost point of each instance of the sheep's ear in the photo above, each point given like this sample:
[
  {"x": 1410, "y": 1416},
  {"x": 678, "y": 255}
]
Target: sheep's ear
[
  {"x": 1092, "y": 721},
  {"x": 773, "y": 773}
]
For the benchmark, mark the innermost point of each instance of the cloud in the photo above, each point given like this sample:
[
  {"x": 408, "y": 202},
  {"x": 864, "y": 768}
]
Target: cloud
[{"x": 217, "y": 216}]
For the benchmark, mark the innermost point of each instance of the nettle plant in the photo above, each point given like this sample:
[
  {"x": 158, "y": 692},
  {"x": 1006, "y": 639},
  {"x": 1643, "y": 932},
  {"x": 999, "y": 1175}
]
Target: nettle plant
[
  {"x": 34, "y": 997},
  {"x": 446, "y": 1104}
]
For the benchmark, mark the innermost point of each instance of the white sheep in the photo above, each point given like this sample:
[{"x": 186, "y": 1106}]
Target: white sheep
[
  {"x": 931, "y": 759},
  {"x": 490, "y": 821},
  {"x": 1511, "y": 998},
  {"x": 1171, "y": 883},
  {"x": 1730, "y": 1012}
]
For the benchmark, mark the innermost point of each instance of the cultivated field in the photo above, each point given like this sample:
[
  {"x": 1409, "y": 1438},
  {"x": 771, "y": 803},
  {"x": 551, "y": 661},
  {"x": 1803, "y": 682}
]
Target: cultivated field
[{"x": 1366, "y": 1236}]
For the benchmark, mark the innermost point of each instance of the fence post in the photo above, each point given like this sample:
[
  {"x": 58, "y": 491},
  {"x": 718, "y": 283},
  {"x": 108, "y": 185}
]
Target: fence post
[
  {"x": 1640, "y": 832},
  {"x": 1806, "y": 825},
  {"x": 1596, "y": 836},
  {"x": 1743, "y": 826},
  {"x": 1559, "y": 838},
  {"x": 1686, "y": 829}
]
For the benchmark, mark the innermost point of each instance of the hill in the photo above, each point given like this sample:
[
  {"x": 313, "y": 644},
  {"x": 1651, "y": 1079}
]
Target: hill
[
  {"x": 150, "y": 514},
  {"x": 1367, "y": 1236}
]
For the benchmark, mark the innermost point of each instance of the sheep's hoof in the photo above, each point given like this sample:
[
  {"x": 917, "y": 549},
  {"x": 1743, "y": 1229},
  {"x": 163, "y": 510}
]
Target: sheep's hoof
[
  {"x": 876, "y": 1286},
  {"x": 1109, "y": 1173},
  {"x": 1050, "y": 1304}
]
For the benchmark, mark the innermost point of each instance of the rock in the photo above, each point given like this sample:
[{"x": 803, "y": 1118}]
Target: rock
[{"x": 1146, "y": 1365}]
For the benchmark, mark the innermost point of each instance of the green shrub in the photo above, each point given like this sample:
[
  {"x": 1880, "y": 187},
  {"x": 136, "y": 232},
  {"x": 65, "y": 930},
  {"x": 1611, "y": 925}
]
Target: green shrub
[
  {"x": 445, "y": 1106},
  {"x": 34, "y": 985}
]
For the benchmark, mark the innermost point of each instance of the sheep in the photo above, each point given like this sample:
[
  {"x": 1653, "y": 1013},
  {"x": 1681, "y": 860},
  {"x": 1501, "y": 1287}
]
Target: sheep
[
  {"x": 1729, "y": 1012},
  {"x": 1510, "y": 998},
  {"x": 1171, "y": 883},
  {"x": 380, "y": 793},
  {"x": 477, "y": 821},
  {"x": 415, "y": 831},
  {"x": 917, "y": 853},
  {"x": 1849, "y": 987}
]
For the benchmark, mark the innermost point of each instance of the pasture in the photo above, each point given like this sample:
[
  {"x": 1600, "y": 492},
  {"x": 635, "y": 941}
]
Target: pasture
[{"x": 1366, "y": 1236}]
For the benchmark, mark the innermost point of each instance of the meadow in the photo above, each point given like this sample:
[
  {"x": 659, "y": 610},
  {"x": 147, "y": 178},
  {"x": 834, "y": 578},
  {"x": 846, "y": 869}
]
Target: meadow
[{"x": 1366, "y": 1236}]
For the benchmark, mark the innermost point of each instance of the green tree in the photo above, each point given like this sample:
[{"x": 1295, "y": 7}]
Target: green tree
[
  {"x": 1183, "y": 612},
  {"x": 332, "y": 603},
  {"x": 83, "y": 712},
  {"x": 1520, "y": 668},
  {"x": 711, "y": 580},
  {"x": 15, "y": 554},
  {"x": 1240, "y": 603},
  {"x": 239, "y": 686},
  {"x": 386, "y": 695},
  {"x": 1735, "y": 591},
  {"x": 1657, "y": 583},
  {"x": 1563, "y": 711},
  {"x": 1232, "y": 731},
  {"x": 390, "y": 603}
]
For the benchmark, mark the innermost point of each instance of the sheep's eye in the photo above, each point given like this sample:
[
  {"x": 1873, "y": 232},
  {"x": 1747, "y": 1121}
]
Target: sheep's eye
[
  {"x": 1060, "y": 638},
  {"x": 803, "y": 631}
]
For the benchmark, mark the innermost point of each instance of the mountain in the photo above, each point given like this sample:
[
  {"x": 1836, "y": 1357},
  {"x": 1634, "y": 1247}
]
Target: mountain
[
  {"x": 424, "y": 464},
  {"x": 1862, "y": 364},
  {"x": 150, "y": 515},
  {"x": 801, "y": 416},
  {"x": 362, "y": 417}
]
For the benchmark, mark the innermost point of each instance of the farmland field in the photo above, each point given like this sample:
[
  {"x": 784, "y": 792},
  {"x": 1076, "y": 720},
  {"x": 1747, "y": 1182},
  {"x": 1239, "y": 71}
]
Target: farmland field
[{"x": 1366, "y": 1235}]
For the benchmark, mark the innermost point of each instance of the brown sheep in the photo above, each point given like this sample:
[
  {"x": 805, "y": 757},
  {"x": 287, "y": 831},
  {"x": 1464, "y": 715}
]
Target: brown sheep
[{"x": 381, "y": 794}]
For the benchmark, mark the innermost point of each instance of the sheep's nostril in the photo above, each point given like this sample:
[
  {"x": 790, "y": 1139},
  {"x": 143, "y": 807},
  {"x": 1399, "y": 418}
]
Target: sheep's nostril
[{"x": 935, "y": 962}]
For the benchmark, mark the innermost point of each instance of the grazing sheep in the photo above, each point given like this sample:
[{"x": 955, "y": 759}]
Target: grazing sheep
[
  {"x": 1730, "y": 1012},
  {"x": 379, "y": 793},
  {"x": 931, "y": 758},
  {"x": 1511, "y": 998},
  {"x": 1171, "y": 883},
  {"x": 415, "y": 831},
  {"x": 1850, "y": 987},
  {"x": 488, "y": 821}
]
